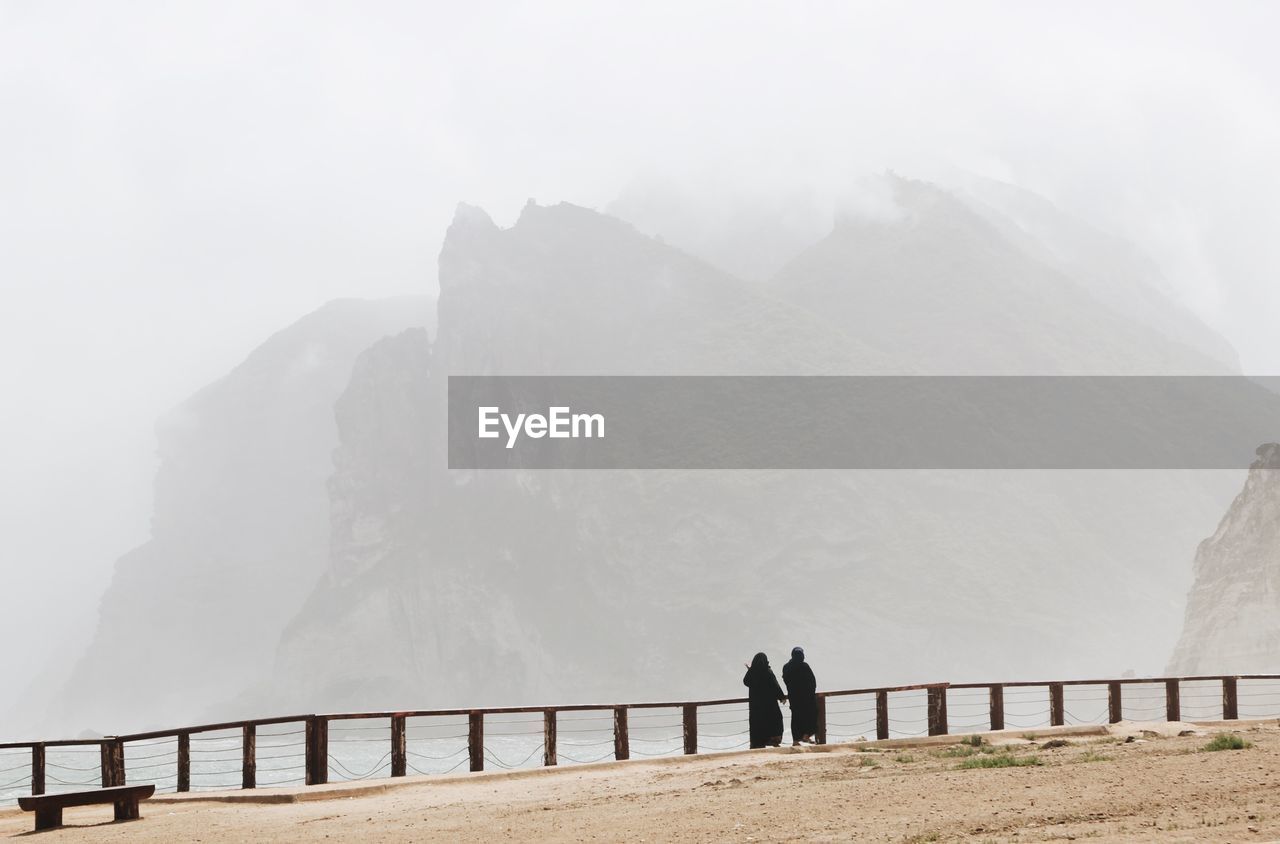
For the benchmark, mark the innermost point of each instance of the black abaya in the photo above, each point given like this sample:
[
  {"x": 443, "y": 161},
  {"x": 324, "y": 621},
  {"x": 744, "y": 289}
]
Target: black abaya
[
  {"x": 802, "y": 691},
  {"x": 764, "y": 694}
]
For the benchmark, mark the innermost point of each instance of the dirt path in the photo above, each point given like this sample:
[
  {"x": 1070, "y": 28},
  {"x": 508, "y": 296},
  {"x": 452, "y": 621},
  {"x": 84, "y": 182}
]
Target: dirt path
[{"x": 1102, "y": 789}]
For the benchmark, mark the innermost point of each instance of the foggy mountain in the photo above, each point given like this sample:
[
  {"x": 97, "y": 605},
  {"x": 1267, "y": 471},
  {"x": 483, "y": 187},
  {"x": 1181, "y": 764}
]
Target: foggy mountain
[
  {"x": 409, "y": 585},
  {"x": 750, "y": 235},
  {"x": 1110, "y": 269},
  {"x": 1050, "y": 273},
  {"x": 1233, "y": 612},
  {"x": 240, "y": 530},
  {"x": 450, "y": 588}
]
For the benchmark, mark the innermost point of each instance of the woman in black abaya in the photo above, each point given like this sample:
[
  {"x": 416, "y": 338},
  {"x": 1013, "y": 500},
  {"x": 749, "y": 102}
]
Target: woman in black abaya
[
  {"x": 764, "y": 695},
  {"x": 802, "y": 689}
]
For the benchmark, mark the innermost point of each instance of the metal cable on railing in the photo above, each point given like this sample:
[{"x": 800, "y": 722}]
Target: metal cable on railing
[
  {"x": 278, "y": 756},
  {"x": 434, "y": 758},
  {"x": 584, "y": 761},
  {"x": 658, "y": 714},
  {"x": 461, "y": 762},
  {"x": 218, "y": 773},
  {"x": 153, "y": 766},
  {"x": 731, "y": 747},
  {"x": 72, "y": 767},
  {"x": 128, "y": 758},
  {"x": 493, "y": 757},
  {"x": 60, "y": 781},
  {"x": 663, "y": 740},
  {"x": 384, "y": 762},
  {"x": 585, "y": 743}
]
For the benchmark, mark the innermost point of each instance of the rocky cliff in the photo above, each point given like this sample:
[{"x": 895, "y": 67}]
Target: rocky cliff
[
  {"x": 1233, "y": 611},
  {"x": 240, "y": 531}
]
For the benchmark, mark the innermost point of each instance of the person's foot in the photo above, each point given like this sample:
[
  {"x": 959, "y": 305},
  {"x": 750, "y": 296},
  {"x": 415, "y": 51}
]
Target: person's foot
[{"x": 795, "y": 744}]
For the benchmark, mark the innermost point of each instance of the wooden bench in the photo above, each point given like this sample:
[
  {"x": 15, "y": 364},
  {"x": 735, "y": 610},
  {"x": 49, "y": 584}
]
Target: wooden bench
[{"x": 48, "y": 807}]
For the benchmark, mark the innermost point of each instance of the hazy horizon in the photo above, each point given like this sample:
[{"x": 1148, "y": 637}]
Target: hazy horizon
[{"x": 180, "y": 182}]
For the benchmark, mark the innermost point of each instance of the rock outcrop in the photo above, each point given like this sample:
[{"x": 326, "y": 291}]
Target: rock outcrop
[
  {"x": 1232, "y": 621},
  {"x": 240, "y": 532}
]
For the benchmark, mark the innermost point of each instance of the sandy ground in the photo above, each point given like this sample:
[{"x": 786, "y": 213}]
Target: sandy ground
[{"x": 1150, "y": 788}]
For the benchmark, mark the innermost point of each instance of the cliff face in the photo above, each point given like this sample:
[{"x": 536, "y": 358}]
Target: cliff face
[
  {"x": 240, "y": 531},
  {"x": 457, "y": 588},
  {"x": 1233, "y": 611}
]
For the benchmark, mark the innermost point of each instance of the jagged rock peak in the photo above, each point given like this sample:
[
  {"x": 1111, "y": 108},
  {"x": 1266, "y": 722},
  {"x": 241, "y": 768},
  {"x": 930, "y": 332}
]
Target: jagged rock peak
[
  {"x": 1268, "y": 457},
  {"x": 471, "y": 231},
  {"x": 471, "y": 217}
]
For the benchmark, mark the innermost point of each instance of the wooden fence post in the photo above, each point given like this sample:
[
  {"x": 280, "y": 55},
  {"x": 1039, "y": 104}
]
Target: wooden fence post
[
  {"x": 317, "y": 750},
  {"x": 399, "y": 747},
  {"x": 111, "y": 757},
  {"x": 820, "y": 736},
  {"x": 882, "y": 715},
  {"x": 475, "y": 739},
  {"x": 997, "y": 707},
  {"x": 690, "y": 728},
  {"x": 621, "y": 739},
  {"x": 249, "y": 756},
  {"x": 184, "y": 761},
  {"x": 1172, "y": 701},
  {"x": 937, "y": 699},
  {"x": 1230, "y": 701},
  {"x": 1057, "y": 706},
  {"x": 550, "y": 755},
  {"x": 1115, "y": 703},
  {"x": 37, "y": 768}
]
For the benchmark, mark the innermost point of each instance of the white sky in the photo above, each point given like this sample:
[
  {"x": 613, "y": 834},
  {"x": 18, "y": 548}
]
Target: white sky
[{"x": 178, "y": 180}]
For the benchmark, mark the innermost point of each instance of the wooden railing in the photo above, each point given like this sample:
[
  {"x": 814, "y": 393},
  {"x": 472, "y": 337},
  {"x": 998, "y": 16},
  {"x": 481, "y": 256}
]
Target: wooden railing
[{"x": 316, "y": 727}]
